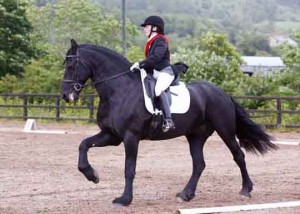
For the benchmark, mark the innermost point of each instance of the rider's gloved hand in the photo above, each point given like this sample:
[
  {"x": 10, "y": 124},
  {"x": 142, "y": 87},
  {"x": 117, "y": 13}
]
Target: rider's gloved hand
[{"x": 135, "y": 67}]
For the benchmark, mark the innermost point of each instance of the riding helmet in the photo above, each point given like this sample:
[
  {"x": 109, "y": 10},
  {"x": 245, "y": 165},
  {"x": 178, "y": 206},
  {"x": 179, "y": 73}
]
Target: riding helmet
[{"x": 155, "y": 21}]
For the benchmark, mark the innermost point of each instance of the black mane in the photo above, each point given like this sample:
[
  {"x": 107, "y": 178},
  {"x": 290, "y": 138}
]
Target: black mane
[{"x": 106, "y": 51}]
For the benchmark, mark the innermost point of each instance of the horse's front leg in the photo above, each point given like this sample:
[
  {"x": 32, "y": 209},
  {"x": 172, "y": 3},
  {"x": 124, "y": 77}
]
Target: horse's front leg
[
  {"x": 99, "y": 140},
  {"x": 131, "y": 150}
]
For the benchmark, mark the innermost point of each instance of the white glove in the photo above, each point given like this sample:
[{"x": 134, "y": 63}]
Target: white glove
[{"x": 135, "y": 66}]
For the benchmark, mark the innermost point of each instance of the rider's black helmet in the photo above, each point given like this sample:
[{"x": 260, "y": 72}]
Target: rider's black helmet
[{"x": 155, "y": 21}]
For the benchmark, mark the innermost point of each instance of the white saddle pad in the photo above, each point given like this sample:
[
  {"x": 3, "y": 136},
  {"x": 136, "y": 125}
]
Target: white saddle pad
[{"x": 179, "y": 94}]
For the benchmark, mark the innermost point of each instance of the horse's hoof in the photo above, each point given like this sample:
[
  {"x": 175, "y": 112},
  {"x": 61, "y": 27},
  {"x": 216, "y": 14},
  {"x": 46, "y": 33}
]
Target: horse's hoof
[
  {"x": 179, "y": 199},
  {"x": 90, "y": 174},
  {"x": 96, "y": 177},
  {"x": 185, "y": 196},
  {"x": 245, "y": 193},
  {"x": 122, "y": 201},
  {"x": 116, "y": 205}
]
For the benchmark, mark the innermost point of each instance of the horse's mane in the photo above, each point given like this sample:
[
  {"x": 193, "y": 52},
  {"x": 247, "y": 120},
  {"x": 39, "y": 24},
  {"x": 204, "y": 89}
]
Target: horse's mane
[{"x": 106, "y": 51}]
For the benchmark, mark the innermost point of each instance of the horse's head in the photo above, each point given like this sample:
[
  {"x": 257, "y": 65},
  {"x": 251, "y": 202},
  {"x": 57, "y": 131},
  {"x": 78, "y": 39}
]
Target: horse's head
[
  {"x": 87, "y": 61},
  {"x": 76, "y": 73}
]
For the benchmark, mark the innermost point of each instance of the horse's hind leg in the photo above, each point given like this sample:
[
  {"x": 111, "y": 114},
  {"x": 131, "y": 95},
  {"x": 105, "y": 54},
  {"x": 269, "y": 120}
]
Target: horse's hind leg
[
  {"x": 239, "y": 158},
  {"x": 196, "y": 143}
]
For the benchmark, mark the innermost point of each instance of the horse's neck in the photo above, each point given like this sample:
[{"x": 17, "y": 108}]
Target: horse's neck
[
  {"x": 119, "y": 88},
  {"x": 110, "y": 73},
  {"x": 105, "y": 63}
]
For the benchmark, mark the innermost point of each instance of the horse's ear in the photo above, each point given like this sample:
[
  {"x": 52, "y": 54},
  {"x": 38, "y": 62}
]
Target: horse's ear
[{"x": 73, "y": 44}]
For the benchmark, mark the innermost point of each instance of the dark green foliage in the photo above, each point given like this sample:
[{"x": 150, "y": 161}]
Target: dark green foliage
[
  {"x": 53, "y": 27},
  {"x": 214, "y": 60},
  {"x": 15, "y": 47},
  {"x": 251, "y": 44},
  {"x": 231, "y": 15}
]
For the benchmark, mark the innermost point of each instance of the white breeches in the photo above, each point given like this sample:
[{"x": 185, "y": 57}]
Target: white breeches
[{"x": 163, "y": 82}]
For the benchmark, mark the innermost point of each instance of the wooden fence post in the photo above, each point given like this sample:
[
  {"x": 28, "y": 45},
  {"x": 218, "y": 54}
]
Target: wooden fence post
[
  {"x": 279, "y": 113},
  {"x": 25, "y": 107},
  {"x": 58, "y": 108}
]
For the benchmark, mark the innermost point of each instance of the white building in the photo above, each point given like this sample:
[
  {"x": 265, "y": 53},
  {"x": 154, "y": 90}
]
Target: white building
[
  {"x": 280, "y": 40},
  {"x": 258, "y": 65}
]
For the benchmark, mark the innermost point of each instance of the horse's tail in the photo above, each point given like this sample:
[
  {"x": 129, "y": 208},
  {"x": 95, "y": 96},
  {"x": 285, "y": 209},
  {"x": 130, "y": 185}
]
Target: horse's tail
[{"x": 251, "y": 136}]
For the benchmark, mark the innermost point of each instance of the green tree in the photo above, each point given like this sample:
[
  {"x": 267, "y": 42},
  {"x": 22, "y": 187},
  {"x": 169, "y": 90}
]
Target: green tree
[
  {"x": 15, "y": 47},
  {"x": 216, "y": 60},
  {"x": 53, "y": 27},
  {"x": 56, "y": 23},
  {"x": 291, "y": 57},
  {"x": 251, "y": 44},
  {"x": 291, "y": 54}
]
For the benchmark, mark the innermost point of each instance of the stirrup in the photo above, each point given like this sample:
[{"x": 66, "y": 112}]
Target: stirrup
[{"x": 167, "y": 125}]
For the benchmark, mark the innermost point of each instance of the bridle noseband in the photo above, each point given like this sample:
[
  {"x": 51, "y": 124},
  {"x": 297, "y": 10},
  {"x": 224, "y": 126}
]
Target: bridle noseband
[{"x": 77, "y": 85}]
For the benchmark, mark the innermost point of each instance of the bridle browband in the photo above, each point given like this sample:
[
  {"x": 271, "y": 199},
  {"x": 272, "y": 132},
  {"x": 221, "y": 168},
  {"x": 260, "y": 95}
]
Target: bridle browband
[{"x": 78, "y": 86}]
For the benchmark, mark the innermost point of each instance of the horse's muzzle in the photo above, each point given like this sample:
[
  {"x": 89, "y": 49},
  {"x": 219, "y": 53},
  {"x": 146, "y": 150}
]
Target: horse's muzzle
[
  {"x": 70, "y": 97},
  {"x": 65, "y": 98}
]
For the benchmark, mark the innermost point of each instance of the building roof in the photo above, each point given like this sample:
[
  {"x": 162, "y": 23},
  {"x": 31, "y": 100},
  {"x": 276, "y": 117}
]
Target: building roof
[
  {"x": 262, "y": 61},
  {"x": 258, "y": 65}
]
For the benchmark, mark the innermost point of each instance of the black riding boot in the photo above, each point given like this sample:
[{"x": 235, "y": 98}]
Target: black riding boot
[{"x": 168, "y": 122}]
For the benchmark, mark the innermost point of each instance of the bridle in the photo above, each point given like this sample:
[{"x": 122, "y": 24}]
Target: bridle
[{"x": 76, "y": 84}]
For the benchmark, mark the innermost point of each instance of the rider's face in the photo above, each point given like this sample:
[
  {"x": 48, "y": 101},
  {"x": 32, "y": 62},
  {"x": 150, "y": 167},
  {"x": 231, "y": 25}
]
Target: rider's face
[{"x": 147, "y": 30}]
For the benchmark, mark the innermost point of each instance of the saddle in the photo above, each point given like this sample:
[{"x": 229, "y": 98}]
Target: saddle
[
  {"x": 178, "y": 94},
  {"x": 150, "y": 81}
]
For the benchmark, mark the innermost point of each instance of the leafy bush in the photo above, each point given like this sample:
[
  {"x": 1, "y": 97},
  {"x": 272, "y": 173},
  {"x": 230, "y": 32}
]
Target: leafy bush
[{"x": 214, "y": 60}]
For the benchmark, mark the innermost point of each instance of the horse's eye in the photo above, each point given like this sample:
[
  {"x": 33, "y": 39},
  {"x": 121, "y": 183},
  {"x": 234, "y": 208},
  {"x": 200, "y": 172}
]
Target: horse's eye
[{"x": 69, "y": 64}]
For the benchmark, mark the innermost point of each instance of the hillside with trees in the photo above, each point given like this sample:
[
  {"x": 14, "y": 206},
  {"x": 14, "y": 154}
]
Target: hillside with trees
[
  {"x": 248, "y": 24},
  {"x": 209, "y": 35},
  {"x": 229, "y": 16}
]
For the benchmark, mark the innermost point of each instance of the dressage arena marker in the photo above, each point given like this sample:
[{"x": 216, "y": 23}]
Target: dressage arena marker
[
  {"x": 31, "y": 127},
  {"x": 239, "y": 208},
  {"x": 293, "y": 143}
]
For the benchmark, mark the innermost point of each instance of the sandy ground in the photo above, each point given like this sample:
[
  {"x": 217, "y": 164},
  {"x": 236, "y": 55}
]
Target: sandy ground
[{"x": 38, "y": 174}]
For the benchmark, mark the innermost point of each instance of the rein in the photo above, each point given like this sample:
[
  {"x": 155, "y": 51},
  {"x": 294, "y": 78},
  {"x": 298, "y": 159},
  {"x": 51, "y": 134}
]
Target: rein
[
  {"x": 110, "y": 78},
  {"x": 78, "y": 86}
]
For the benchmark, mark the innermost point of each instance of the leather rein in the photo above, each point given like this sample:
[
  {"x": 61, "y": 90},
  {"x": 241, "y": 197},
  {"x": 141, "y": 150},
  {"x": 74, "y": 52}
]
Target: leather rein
[{"x": 77, "y": 85}]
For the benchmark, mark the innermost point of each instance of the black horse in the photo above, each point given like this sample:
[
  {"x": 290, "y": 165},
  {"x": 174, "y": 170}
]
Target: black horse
[{"x": 122, "y": 117}]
